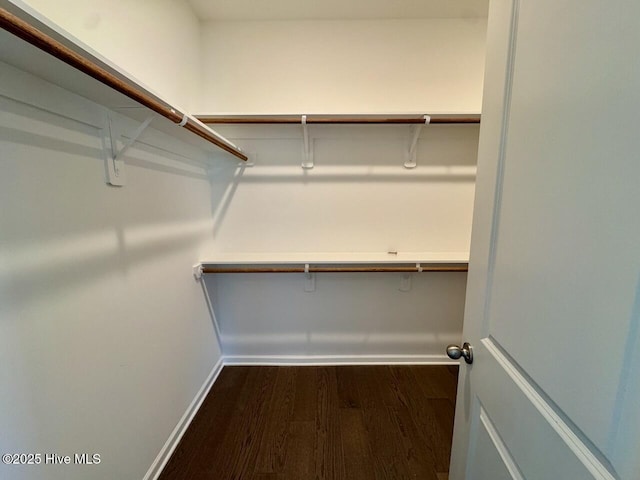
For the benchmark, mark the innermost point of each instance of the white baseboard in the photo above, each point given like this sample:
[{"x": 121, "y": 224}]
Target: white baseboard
[
  {"x": 170, "y": 445},
  {"x": 338, "y": 360}
]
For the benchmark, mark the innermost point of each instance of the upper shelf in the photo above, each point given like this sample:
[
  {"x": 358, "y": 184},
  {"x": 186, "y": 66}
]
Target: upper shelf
[
  {"x": 339, "y": 119},
  {"x": 38, "y": 47},
  {"x": 337, "y": 258},
  {"x": 250, "y": 10}
]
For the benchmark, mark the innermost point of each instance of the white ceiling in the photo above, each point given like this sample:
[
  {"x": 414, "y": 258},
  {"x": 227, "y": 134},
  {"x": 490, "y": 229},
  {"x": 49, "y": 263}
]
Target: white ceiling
[{"x": 337, "y": 9}]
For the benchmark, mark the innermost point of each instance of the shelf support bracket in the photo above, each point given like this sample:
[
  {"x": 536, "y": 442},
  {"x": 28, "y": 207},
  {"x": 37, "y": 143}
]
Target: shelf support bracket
[
  {"x": 198, "y": 271},
  {"x": 307, "y": 160},
  {"x": 412, "y": 153},
  {"x": 114, "y": 162},
  {"x": 405, "y": 282},
  {"x": 310, "y": 279}
]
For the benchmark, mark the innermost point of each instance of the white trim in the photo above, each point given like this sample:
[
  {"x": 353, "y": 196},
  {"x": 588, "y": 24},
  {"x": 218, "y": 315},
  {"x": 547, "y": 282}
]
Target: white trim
[
  {"x": 500, "y": 447},
  {"x": 172, "y": 442},
  {"x": 338, "y": 360},
  {"x": 571, "y": 439}
]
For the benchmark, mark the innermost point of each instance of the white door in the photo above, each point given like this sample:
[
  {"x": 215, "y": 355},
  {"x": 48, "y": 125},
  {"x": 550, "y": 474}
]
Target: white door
[{"x": 553, "y": 302}]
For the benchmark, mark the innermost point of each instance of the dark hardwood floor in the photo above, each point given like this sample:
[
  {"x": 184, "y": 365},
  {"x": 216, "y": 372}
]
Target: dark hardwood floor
[{"x": 321, "y": 423}]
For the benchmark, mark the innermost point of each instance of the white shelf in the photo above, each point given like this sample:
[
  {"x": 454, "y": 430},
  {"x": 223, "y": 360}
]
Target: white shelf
[
  {"x": 409, "y": 118},
  {"x": 333, "y": 258},
  {"x": 19, "y": 53}
]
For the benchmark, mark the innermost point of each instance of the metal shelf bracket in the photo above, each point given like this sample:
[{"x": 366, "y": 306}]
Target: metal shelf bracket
[
  {"x": 307, "y": 153},
  {"x": 412, "y": 153},
  {"x": 197, "y": 271},
  {"x": 114, "y": 160},
  {"x": 310, "y": 279}
]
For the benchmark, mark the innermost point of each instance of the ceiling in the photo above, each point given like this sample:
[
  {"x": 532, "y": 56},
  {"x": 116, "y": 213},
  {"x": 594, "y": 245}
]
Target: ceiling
[{"x": 337, "y": 9}]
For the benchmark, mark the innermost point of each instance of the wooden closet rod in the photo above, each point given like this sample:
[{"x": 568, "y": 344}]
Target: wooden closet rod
[
  {"x": 336, "y": 269},
  {"x": 44, "y": 42},
  {"x": 335, "y": 119}
]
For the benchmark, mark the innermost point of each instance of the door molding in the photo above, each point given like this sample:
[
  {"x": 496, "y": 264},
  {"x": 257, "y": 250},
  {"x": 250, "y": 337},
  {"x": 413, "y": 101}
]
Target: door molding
[
  {"x": 497, "y": 198},
  {"x": 501, "y": 448},
  {"x": 582, "y": 448}
]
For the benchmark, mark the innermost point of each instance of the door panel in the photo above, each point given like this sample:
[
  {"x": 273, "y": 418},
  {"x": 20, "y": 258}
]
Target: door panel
[
  {"x": 625, "y": 437},
  {"x": 491, "y": 457},
  {"x": 567, "y": 243},
  {"x": 540, "y": 442},
  {"x": 553, "y": 298}
]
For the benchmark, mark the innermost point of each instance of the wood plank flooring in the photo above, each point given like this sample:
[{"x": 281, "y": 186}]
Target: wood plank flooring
[{"x": 321, "y": 423}]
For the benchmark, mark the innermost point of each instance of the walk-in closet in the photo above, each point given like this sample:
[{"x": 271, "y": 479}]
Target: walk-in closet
[{"x": 235, "y": 240}]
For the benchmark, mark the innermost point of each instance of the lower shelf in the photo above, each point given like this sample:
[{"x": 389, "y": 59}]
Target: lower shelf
[{"x": 408, "y": 262}]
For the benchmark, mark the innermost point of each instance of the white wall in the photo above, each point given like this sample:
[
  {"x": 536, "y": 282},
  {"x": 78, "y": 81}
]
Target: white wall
[
  {"x": 358, "y": 200},
  {"x": 367, "y": 66},
  {"x": 157, "y": 41},
  {"x": 348, "y": 318},
  {"x": 105, "y": 337}
]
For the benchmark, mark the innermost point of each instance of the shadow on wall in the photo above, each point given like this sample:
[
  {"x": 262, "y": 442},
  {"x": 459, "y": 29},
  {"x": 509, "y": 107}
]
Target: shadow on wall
[
  {"x": 65, "y": 226},
  {"x": 51, "y": 267},
  {"x": 95, "y": 282},
  {"x": 365, "y": 164},
  {"x": 347, "y": 314},
  {"x": 224, "y": 184},
  {"x": 31, "y": 139}
]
